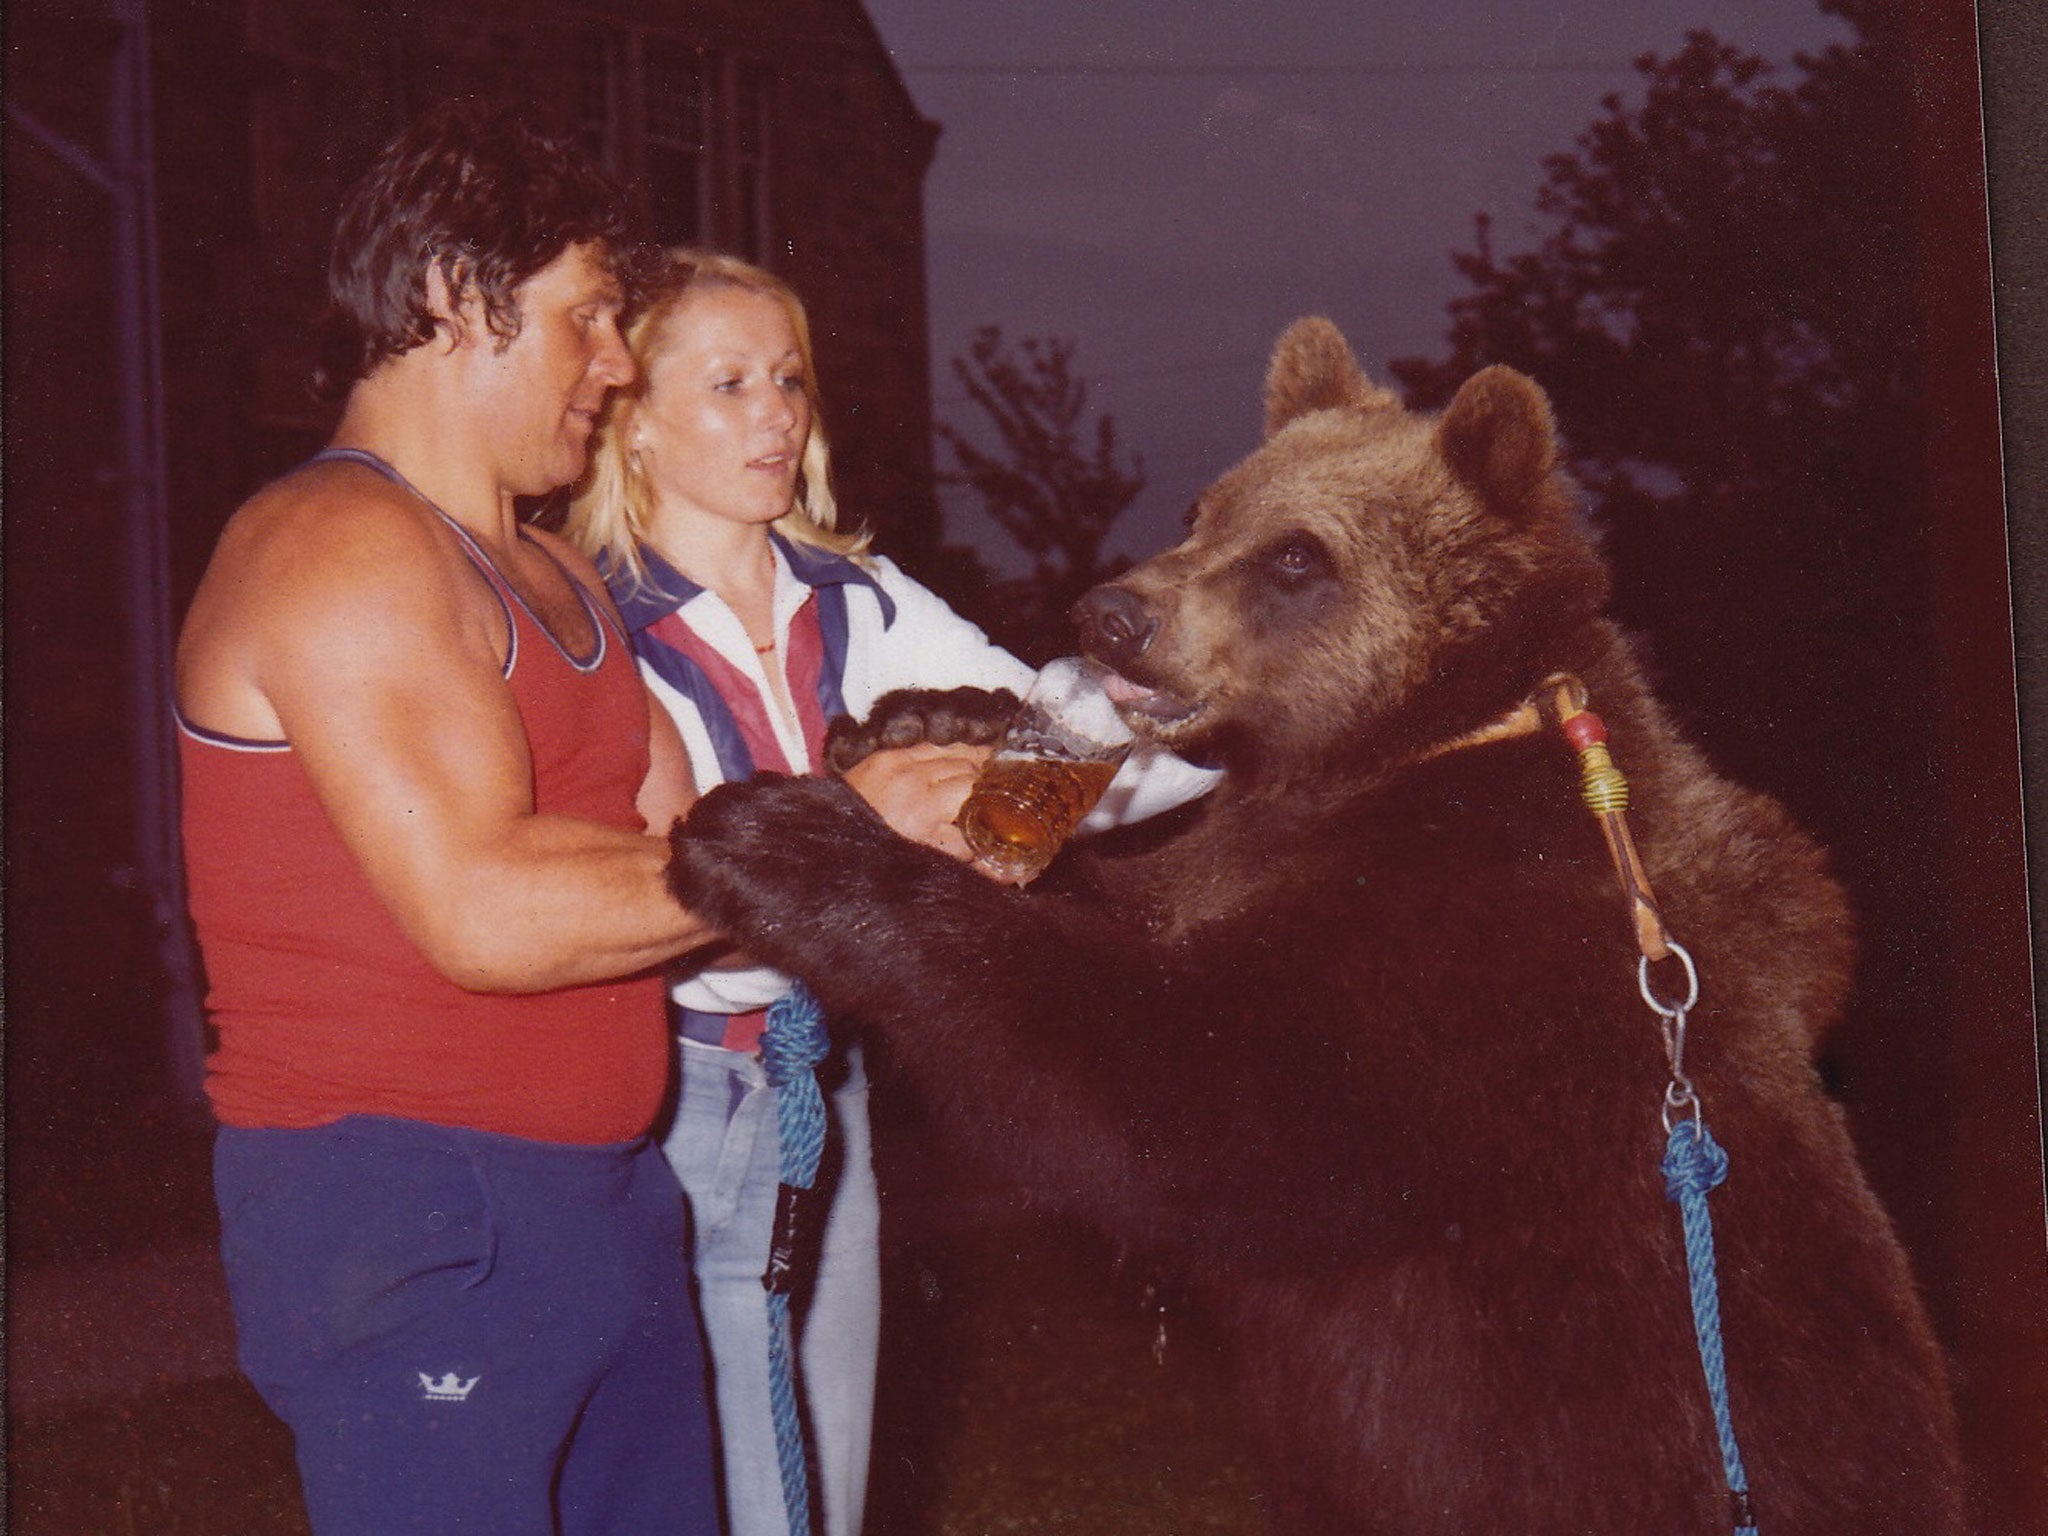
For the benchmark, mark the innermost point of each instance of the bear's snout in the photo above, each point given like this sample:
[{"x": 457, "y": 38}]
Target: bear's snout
[{"x": 1116, "y": 626}]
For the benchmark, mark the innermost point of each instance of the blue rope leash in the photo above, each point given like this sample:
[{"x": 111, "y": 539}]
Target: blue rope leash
[
  {"x": 1694, "y": 1164},
  {"x": 1693, "y": 1161},
  {"x": 791, "y": 1048}
]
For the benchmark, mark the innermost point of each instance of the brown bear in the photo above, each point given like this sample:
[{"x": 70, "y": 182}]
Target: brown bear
[{"x": 1364, "y": 1042}]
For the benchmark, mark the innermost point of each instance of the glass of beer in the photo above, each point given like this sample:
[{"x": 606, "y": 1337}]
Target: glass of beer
[{"x": 1052, "y": 766}]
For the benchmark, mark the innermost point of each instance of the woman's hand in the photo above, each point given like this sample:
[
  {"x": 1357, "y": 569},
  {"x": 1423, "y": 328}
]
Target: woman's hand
[{"x": 918, "y": 790}]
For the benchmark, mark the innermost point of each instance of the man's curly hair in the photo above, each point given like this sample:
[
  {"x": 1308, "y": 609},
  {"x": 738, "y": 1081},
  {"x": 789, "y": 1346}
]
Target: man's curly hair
[{"x": 473, "y": 189}]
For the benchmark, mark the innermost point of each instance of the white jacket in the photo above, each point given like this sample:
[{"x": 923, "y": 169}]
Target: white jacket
[{"x": 882, "y": 631}]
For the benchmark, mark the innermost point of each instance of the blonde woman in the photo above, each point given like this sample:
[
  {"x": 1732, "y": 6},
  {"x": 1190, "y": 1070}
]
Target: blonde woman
[{"x": 756, "y": 620}]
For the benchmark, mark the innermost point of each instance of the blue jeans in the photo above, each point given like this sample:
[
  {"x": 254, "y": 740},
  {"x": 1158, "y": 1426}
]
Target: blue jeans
[
  {"x": 725, "y": 1150},
  {"x": 470, "y": 1334}
]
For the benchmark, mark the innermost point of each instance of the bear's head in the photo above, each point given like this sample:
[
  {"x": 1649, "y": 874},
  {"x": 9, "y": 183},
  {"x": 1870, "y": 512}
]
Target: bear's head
[{"x": 1372, "y": 582}]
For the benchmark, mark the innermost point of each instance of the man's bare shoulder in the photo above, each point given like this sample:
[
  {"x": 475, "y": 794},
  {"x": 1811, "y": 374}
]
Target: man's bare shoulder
[
  {"x": 334, "y": 524},
  {"x": 329, "y": 560}
]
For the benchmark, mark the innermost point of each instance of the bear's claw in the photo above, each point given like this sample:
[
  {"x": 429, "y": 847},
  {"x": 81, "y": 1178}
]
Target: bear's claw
[{"x": 945, "y": 717}]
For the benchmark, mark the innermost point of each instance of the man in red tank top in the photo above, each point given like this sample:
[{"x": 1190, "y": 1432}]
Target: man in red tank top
[{"x": 421, "y": 774}]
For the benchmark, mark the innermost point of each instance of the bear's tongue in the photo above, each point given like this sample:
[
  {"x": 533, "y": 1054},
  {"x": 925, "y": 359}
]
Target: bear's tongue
[{"x": 1122, "y": 690}]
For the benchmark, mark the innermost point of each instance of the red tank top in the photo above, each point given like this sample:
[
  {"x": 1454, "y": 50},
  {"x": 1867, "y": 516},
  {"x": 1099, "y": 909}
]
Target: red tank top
[{"x": 324, "y": 1008}]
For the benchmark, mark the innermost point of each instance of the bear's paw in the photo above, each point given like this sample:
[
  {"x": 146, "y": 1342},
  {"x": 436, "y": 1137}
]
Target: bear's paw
[{"x": 904, "y": 717}]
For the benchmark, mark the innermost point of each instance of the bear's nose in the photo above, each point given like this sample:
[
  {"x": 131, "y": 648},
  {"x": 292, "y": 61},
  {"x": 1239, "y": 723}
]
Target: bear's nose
[{"x": 1115, "y": 626}]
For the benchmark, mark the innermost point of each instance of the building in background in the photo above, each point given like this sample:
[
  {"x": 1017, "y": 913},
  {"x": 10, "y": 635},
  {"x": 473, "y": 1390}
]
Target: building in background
[{"x": 782, "y": 134}]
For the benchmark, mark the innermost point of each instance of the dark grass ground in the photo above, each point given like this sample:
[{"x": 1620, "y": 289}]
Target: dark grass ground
[{"x": 1021, "y": 1391}]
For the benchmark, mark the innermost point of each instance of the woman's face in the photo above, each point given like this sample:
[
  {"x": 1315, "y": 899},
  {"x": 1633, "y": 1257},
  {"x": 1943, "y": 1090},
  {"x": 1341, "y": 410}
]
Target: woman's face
[{"x": 720, "y": 432}]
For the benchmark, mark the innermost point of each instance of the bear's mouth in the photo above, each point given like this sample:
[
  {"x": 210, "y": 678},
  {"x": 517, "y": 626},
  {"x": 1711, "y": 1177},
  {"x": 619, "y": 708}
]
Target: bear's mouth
[{"x": 1148, "y": 710}]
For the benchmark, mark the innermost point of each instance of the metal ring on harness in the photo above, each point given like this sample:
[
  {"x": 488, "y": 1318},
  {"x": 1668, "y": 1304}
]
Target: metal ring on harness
[
  {"x": 1692, "y": 984},
  {"x": 1679, "y": 1097}
]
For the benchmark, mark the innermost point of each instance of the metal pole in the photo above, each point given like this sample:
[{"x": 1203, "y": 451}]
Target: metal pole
[
  {"x": 128, "y": 177},
  {"x": 160, "y": 864}
]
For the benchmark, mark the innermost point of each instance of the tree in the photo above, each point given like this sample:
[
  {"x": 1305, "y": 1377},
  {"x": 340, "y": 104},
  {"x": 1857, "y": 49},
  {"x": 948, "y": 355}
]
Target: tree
[
  {"x": 1726, "y": 304},
  {"x": 1722, "y": 307},
  {"x": 1732, "y": 303},
  {"x": 1055, "y": 486}
]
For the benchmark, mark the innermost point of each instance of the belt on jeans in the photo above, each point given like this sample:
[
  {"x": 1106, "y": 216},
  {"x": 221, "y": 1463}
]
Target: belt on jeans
[{"x": 707, "y": 1028}]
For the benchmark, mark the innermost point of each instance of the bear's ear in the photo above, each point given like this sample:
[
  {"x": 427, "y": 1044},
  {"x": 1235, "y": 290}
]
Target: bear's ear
[
  {"x": 1313, "y": 370},
  {"x": 1498, "y": 435}
]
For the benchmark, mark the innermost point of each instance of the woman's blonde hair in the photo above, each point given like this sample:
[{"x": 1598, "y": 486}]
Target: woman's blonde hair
[{"x": 608, "y": 515}]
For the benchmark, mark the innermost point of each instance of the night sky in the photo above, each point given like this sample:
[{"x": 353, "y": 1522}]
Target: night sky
[{"x": 1169, "y": 185}]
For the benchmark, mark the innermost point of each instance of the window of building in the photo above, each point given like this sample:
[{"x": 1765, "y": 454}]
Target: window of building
[
  {"x": 600, "y": 70},
  {"x": 678, "y": 144},
  {"x": 690, "y": 126},
  {"x": 753, "y": 97}
]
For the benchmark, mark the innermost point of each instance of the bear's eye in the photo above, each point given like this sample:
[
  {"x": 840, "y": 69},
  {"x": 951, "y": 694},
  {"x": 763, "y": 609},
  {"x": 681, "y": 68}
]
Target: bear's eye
[{"x": 1297, "y": 556}]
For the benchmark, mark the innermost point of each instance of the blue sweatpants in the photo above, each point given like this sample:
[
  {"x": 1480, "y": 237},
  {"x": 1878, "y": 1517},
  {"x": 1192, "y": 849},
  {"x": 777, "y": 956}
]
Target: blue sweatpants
[{"x": 468, "y": 1334}]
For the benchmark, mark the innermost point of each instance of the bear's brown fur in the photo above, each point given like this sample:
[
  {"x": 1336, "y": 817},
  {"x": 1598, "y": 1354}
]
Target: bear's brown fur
[{"x": 1357, "y": 1041}]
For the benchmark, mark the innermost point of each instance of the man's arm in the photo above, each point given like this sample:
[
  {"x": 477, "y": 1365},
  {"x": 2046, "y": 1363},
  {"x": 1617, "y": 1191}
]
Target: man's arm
[{"x": 360, "y": 627}]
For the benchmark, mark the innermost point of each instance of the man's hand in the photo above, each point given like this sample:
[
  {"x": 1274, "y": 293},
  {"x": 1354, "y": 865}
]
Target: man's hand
[{"x": 918, "y": 790}]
